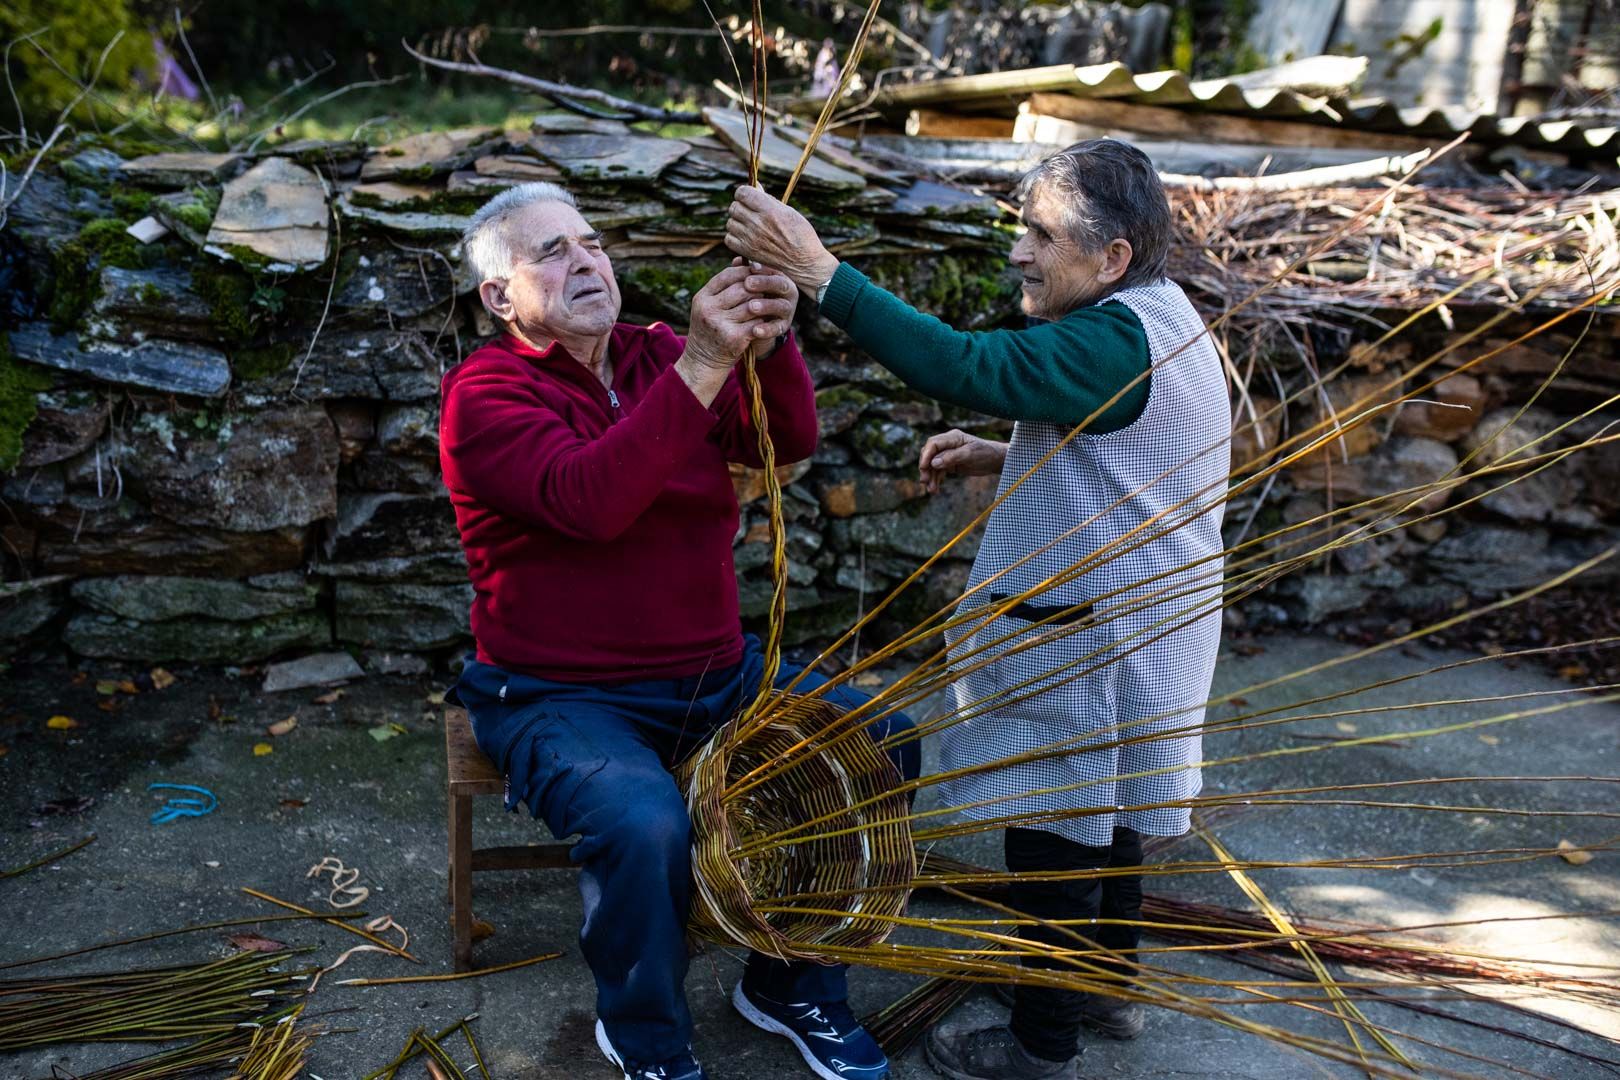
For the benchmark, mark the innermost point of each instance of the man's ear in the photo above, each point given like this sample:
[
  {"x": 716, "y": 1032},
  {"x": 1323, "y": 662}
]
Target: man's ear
[
  {"x": 493, "y": 293},
  {"x": 1116, "y": 260}
]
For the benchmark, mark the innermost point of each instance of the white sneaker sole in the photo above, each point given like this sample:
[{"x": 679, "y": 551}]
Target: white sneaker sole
[
  {"x": 740, "y": 1002},
  {"x": 608, "y": 1052}
]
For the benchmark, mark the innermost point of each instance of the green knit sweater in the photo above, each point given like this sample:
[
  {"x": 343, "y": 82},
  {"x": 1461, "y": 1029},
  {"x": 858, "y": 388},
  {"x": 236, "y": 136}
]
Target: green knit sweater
[{"x": 1059, "y": 372}]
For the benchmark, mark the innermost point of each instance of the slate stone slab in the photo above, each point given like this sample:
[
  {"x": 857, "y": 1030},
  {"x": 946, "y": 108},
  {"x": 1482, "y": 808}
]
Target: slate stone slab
[
  {"x": 321, "y": 669},
  {"x": 417, "y": 157},
  {"x": 778, "y": 157},
  {"x": 386, "y": 279},
  {"x": 150, "y": 303},
  {"x": 170, "y": 366},
  {"x": 564, "y": 123},
  {"x": 408, "y": 222},
  {"x": 27, "y": 607},
  {"x": 390, "y": 195},
  {"x": 381, "y": 365},
  {"x": 94, "y": 166},
  {"x": 194, "y": 639},
  {"x": 277, "y": 211},
  {"x": 175, "y": 170},
  {"x": 927, "y": 198},
  {"x": 157, "y": 598},
  {"x": 257, "y": 472},
  {"x": 402, "y": 615},
  {"x": 516, "y": 167},
  {"x": 65, "y": 425},
  {"x": 609, "y": 157}
]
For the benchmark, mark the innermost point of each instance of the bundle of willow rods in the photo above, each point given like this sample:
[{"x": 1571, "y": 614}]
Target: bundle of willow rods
[
  {"x": 150, "y": 1005},
  {"x": 864, "y": 869}
]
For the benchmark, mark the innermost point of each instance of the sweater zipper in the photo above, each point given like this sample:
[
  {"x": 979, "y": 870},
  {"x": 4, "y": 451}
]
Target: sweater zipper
[{"x": 613, "y": 398}]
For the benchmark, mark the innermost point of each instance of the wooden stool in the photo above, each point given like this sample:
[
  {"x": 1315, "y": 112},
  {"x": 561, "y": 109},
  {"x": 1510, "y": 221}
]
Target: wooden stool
[{"x": 471, "y": 773}]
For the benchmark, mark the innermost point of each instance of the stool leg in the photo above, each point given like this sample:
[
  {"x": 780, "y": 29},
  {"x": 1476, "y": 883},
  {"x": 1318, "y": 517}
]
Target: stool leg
[{"x": 461, "y": 879}]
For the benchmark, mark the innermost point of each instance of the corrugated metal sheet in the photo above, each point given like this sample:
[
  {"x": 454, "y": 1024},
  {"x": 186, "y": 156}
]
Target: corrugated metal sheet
[{"x": 1000, "y": 92}]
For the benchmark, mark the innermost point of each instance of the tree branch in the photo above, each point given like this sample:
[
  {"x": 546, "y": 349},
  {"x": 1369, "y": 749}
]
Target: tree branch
[{"x": 561, "y": 93}]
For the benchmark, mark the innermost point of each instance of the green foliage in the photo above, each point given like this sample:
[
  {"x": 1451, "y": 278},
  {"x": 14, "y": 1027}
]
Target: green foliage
[
  {"x": 74, "y": 33},
  {"x": 20, "y": 385},
  {"x": 198, "y": 213}
]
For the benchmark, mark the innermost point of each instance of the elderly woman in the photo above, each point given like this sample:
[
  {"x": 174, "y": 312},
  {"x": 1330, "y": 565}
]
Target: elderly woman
[
  {"x": 587, "y": 460},
  {"x": 1118, "y": 348}
]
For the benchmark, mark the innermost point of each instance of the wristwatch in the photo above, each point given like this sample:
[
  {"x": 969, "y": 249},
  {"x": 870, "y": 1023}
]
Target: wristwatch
[{"x": 821, "y": 291}]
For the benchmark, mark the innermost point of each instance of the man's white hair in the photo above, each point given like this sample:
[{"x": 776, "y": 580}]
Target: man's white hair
[{"x": 485, "y": 244}]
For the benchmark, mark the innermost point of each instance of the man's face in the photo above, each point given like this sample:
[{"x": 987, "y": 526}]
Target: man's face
[
  {"x": 1058, "y": 276},
  {"x": 562, "y": 283}
]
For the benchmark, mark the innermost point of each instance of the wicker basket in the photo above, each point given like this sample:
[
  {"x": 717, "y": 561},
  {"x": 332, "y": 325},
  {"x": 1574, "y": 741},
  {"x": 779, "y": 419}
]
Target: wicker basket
[{"x": 826, "y": 781}]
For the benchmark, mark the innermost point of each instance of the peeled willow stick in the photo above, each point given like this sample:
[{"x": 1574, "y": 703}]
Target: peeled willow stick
[
  {"x": 174, "y": 933},
  {"x": 542, "y": 958},
  {"x": 47, "y": 860}
]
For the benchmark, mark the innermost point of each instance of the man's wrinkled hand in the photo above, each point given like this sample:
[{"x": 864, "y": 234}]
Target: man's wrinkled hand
[
  {"x": 956, "y": 453},
  {"x": 767, "y": 231},
  {"x": 729, "y": 314}
]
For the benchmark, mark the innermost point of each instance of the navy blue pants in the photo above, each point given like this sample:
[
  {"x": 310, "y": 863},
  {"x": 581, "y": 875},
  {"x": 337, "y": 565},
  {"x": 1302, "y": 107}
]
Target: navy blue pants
[{"x": 595, "y": 760}]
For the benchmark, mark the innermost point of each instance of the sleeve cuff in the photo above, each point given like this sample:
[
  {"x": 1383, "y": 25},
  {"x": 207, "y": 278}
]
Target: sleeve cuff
[{"x": 842, "y": 292}]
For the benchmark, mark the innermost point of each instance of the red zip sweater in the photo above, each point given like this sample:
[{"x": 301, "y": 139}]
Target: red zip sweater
[{"x": 597, "y": 522}]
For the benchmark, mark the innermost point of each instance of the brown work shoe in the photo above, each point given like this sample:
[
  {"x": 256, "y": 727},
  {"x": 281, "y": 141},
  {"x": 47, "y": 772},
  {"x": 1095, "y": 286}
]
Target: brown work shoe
[
  {"x": 992, "y": 1053},
  {"x": 1108, "y": 1016}
]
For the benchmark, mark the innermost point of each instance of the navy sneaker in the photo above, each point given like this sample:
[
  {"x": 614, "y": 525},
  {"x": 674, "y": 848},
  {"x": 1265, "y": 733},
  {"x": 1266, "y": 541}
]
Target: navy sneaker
[
  {"x": 830, "y": 1039},
  {"x": 681, "y": 1067}
]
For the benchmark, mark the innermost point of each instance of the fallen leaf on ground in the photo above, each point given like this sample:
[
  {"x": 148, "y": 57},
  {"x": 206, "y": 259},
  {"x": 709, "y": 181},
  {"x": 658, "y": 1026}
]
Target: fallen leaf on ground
[
  {"x": 214, "y": 709},
  {"x": 61, "y": 723},
  {"x": 4, "y": 749},
  {"x": 871, "y": 678},
  {"x": 255, "y": 943},
  {"x": 294, "y": 804},
  {"x": 384, "y": 732},
  {"x": 263, "y": 748},
  {"x": 161, "y": 679},
  {"x": 80, "y": 678},
  {"x": 1248, "y": 650},
  {"x": 329, "y": 698},
  {"x": 1347, "y": 727},
  {"x": 106, "y": 686},
  {"x": 127, "y": 686},
  {"x": 110, "y": 705},
  {"x": 281, "y": 727},
  {"x": 482, "y": 930},
  {"x": 436, "y": 698},
  {"x": 1489, "y": 740},
  {"x": 1573, "y": 855}
]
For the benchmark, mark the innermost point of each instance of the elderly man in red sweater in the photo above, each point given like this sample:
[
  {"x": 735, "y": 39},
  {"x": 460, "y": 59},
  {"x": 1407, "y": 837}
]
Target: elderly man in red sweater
[{"x": 587, "y": 460}]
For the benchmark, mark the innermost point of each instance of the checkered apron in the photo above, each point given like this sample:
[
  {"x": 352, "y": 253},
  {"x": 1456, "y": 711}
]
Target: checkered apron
[{"x": 1140, "y": 663}]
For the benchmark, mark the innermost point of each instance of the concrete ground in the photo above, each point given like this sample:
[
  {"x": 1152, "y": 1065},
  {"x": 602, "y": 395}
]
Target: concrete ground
[{"x": 330, "y": 788}]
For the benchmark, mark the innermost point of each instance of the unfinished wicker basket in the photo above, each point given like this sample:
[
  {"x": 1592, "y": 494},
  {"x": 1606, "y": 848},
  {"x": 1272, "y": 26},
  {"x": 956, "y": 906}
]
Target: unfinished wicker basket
[{"x": 861, "y": 873}]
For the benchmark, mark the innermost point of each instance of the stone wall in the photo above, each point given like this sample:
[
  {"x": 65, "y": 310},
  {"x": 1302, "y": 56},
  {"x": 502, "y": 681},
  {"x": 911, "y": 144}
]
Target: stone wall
[{"x": 193, "y": 472}]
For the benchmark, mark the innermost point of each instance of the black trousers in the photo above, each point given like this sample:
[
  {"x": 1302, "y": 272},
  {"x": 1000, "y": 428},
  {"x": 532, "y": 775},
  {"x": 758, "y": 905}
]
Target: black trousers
[{"x": 1045, "y": 1020}]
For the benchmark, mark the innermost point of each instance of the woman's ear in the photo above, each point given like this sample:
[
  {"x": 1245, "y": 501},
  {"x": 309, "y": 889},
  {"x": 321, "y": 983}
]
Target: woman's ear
[
  {"x": 493, "y": 293},
  {"x": 1115, "y": 261}
]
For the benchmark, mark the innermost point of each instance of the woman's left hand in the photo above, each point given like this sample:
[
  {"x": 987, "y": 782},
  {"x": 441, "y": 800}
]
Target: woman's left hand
[{"x": 765, "y": 230}]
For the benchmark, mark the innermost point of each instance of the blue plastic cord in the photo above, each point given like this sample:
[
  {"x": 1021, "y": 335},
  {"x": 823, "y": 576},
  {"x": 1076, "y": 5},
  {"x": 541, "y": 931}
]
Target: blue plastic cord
[{"x": 177, "y": 808}]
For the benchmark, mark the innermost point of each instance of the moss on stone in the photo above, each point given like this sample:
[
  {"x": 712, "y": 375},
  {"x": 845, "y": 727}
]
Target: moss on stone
[
  {"x": 109, "y": 240},
  {"x": 260, "y": 363},
  {"x": 197, "y": 213},
  {"x": 131, "y": 203},
  {"x": 20, "y": 385},
  {"x": 228, "y": 295}
]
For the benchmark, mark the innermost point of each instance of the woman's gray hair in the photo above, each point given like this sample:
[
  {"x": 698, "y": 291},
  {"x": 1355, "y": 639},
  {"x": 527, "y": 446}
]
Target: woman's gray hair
[
  {"x": 1110, "y": 190},
  {"x": 485, "y": 245}
]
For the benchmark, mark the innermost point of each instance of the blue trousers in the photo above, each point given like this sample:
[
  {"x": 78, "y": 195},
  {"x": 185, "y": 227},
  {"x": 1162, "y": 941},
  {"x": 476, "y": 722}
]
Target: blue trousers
[{"x": 595, "y": 760}]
